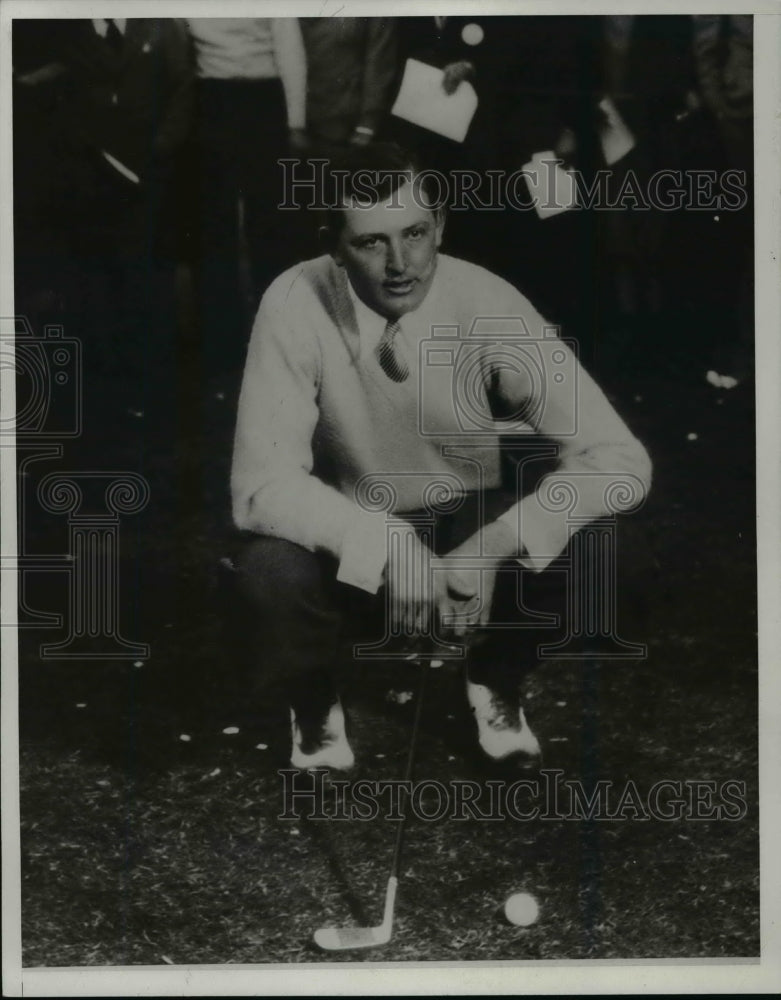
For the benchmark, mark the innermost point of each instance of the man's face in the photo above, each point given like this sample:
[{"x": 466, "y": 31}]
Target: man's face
[{"x": 389, "y": 251}]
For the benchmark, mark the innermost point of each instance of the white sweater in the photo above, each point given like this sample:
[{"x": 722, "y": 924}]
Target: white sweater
[{"x": 322, "y": 433}]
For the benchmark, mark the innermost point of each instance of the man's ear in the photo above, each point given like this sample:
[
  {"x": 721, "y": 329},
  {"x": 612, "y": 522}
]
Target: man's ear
[{"x": 330, "y": 244}]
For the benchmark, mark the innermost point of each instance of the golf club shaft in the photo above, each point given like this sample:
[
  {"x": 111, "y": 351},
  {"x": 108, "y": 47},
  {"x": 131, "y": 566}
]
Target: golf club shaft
[{"x": 408, "y": 771}]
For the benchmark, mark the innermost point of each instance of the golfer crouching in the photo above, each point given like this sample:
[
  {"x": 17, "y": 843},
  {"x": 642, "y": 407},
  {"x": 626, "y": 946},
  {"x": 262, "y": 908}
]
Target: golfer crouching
[{"x": 385, "y": 368}]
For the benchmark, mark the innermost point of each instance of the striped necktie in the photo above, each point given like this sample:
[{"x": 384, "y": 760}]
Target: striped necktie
[{"x": 394, "y": 366}]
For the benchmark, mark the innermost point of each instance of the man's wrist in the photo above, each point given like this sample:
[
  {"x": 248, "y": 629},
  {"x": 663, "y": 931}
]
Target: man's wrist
[
  {"x": 363, "y": 552},
  {"x": 499, "y": 541},
  {"x": 495, "y": 542}
]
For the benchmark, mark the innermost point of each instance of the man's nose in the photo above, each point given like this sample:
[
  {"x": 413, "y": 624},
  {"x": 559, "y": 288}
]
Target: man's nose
[{"x": 395, "y": 262}]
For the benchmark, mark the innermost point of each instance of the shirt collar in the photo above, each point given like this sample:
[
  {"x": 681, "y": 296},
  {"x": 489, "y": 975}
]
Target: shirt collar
[{"x": 372, "y": 324}]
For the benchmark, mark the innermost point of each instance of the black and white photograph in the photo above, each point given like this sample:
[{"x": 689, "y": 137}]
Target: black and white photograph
[{"x": 390, "y": 454}]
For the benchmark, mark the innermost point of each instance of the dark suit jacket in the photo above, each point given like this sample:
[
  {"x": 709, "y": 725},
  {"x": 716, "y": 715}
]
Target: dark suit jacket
[
  {"x": 351, "y": 68},
  {"x": 135, "y": 104},
  {"x": 532, "y": 75}
]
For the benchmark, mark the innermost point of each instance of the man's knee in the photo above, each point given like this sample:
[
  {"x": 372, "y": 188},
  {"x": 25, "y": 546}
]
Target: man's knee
[{"x": 273, "y": 572}]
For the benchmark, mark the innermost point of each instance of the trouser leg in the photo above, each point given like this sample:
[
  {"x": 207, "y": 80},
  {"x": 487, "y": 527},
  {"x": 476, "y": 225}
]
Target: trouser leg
[
  {"x": 298, "y": 617},
  {"x": 272, "y": 235},
  {"x": 222, "y": 312},
  {"x": 299, "y": 621},
  {"x": 301, "y": 617},
  {"x": 524, "y": 604},
  {"x": 295, "y": 619}
]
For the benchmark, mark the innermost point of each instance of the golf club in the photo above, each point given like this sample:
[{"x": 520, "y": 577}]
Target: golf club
[{"x": 348, "y": 938}]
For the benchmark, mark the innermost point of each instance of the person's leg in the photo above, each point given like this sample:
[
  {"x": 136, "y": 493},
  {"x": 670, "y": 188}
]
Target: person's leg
[
  {"x": 526, "y": 611},
  {"x": 295, "y": 624},
  {"x": 148, "y": 307},
  {"x": 222, "y": 312},
  {"x": 502, "y": 654},
  {"x": 274, "y": 237}
]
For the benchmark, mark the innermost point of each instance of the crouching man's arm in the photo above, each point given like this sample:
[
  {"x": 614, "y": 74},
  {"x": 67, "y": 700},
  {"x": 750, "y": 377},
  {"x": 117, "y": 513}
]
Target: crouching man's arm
[
  {"x": 274, "y": 490},
  {"x": 602, "y": 468}
]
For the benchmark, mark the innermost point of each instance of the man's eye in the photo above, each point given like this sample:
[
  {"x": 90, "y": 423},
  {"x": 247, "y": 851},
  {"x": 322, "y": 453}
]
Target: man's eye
[
  {"x": 415, "y": 234},
  {"x": 369, "y": 244}
]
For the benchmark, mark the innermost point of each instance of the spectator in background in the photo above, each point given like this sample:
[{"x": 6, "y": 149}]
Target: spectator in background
[
  {"x": 119, "y": 107},
  {"x": 251, "y": 94},
  {"x": 480, "y": 50},
  {"x": 724, "y": 59},
  {"x": 650, "y": 77},
  {"x": 649, "y": 71},
  {"x": 37, "y": 94},
  {"x": 351, "y": 70},
  {"x": 534, "y": 81},
  {"x": 550, "y": 87},
  {"x": 476, "y": 49}
]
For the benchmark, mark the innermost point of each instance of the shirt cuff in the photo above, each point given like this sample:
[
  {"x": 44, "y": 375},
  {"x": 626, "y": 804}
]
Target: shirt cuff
[
  {"x": 542, "y": 534},
  {"x": 364, "y": 552}
]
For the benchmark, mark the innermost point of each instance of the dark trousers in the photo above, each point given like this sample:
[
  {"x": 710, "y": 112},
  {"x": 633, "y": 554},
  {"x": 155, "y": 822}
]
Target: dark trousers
[
  {"x": 106, "y": 262},
  {"x": 302, "y": 621},
  {"x": 241, "y": 135}
]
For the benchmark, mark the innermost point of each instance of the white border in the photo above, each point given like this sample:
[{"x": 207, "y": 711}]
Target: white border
[{"x": 595, "y": 977}]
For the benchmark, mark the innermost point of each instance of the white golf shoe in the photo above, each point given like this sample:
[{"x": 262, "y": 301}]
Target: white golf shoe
[
  {"x": 502, "y": 729},
  {"x": 324, "y": 744}
]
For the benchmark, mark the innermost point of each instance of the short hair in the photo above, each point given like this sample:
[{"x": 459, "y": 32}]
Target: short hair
[{"x": 372, "y": 174}]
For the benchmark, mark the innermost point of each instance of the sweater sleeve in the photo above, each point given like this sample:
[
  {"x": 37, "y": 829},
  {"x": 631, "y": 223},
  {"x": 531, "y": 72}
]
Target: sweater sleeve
[
  {"x": 602, "y": 467},
  {"x": 291, "y": 63},
  {"x": 273, "y": 489}
]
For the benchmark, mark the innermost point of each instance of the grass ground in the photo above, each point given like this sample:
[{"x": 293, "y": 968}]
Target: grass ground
[{"x": 140, "y": 847}]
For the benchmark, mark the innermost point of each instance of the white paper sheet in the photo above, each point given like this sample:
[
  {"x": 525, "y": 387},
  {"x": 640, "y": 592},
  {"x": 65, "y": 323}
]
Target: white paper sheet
[
  {"x": 553, "y": 188},
  {"x": 423, "y": 101}
]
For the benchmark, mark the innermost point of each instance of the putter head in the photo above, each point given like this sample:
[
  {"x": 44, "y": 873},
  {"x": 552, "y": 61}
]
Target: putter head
[{"x": 349, "y": 938}]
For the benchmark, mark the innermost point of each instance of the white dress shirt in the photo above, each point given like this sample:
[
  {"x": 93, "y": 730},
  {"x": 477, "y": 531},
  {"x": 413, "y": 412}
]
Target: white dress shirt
[{"x": 101, "y": 25}]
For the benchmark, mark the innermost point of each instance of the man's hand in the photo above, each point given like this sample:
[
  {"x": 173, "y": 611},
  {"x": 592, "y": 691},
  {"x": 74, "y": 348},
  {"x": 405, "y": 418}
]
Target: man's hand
[
  {"x": 468, "y": 593},
  {"x": 298, "y": 140},
  {"x": 455, "y": 74},
  {"x": 408, "y": 578},
  {"x": 566, "y": 146},
  {"x": 361, "y": 136}
]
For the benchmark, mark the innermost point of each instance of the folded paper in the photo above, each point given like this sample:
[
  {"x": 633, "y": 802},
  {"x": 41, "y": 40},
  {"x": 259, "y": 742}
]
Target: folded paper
[{"x": 422, "y": 101}]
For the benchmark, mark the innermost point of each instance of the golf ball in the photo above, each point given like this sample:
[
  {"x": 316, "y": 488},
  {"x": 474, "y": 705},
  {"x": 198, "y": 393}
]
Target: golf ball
[{"x": 521, "y": 909}]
